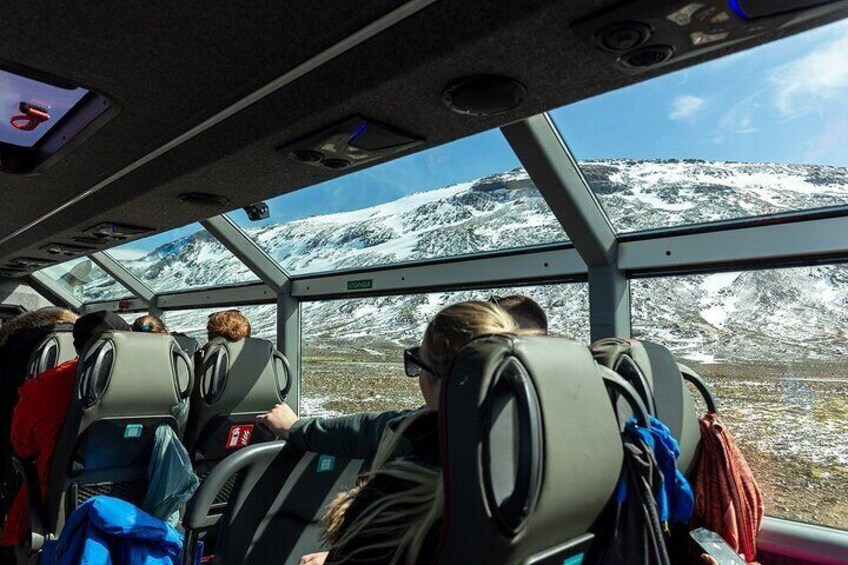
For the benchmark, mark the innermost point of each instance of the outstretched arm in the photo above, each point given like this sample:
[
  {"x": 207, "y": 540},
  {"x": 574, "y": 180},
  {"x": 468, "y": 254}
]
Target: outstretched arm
[{"x": 356, "y": 436}]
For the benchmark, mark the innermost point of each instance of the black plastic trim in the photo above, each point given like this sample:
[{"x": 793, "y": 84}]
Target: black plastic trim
[
  {"x": 625, "y": 389},
  {"x": 701, "y": 385},
  {"x": 511, "y": 378},
  {"x": 282, "y": 389},
  {"x": 87, "y": 388}
]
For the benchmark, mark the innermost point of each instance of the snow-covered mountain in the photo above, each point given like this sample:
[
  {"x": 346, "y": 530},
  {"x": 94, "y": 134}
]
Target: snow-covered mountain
[{"x": 755, "y": 315}]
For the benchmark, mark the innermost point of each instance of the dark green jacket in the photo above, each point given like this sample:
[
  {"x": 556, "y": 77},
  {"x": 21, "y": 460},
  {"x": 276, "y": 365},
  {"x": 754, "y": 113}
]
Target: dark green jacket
[{"x": 356, "y": 436}]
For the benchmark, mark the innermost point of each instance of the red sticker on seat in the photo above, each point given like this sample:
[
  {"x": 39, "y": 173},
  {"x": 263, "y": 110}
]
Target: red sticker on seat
[{"x": 239, "y": 436}]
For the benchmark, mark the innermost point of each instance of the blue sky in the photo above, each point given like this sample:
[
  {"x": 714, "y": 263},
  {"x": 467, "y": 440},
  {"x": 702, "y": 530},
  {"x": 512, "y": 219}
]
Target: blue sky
[{"x": 783, "y": 102}]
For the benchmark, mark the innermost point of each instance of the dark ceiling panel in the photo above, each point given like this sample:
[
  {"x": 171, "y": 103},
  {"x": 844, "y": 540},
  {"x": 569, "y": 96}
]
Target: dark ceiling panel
[
  {"x": 396, "y": 77},
  {"x": 168, "y": 65}
]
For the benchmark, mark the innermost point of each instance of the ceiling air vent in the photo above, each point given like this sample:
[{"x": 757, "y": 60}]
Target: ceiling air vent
[
  {"x": 40, "y": 115},
  {"x": 646, "y": 34},
  {"x": 484, "y": 95},
  {"x": 205, "y": 199},
  {"x": 351, "y": 143},
  {"x": 65, "y": 249},
  {"x": 30, "y": 262},
  {"x": 649, "y": 56},
  {"x": 108, "y": 232}
]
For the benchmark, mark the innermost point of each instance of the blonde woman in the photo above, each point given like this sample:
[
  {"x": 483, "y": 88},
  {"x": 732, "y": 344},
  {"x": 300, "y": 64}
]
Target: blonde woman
[{"x": 395, "y": 513}]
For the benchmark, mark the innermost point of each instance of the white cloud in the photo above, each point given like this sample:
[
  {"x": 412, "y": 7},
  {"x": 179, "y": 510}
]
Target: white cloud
[
  {"x": 684, "y": 108},
  {"x": 802, "y": 85}
]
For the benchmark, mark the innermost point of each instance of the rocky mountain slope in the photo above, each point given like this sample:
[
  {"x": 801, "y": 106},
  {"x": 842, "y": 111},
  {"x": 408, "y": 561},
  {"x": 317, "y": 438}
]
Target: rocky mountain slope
[{"x": 794, "y": 312}]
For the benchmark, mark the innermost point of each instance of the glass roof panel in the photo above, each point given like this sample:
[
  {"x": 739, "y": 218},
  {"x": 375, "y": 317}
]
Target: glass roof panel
[
  {"x": 464, "y": 197},
  {"x": 181, "y": 259},
  {"x": 86, "y": 281},
  {"x": 24, "y": 102},
  {"x": 756, "y": 133}
]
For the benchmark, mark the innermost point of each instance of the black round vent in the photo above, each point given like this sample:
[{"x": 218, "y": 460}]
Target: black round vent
[
  {"x": 336, "y": 163},
  {"x": 484, "y": 95},
  {"x": 647, "y": 56},
  {"x": 623, "y": 36},
  {"x": 307, "y": 155}
]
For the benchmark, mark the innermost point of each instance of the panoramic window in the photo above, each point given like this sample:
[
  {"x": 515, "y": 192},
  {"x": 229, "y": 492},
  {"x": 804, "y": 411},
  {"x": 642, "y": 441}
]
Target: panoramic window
[
  {"x": 353, "y": 347},
  {"x": 182, "y": 259},
  {"x": 771, "y": 346},
  {"x": 86, "y": 281},
  {"x": 263, "y": 320},
  {"x": 464, "y": 197},
  {"x": 756, "y": 133}
]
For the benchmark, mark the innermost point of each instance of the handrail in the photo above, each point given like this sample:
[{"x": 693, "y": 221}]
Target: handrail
[
  {"x": 614, "y": 380},
  {"x": 698, "y": 381}
]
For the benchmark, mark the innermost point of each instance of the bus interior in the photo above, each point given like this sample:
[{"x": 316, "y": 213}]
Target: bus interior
[{"x": 672, "y": 172}]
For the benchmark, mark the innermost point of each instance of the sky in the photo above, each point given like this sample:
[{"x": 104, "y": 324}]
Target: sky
[{"x": 785, "y": 102}]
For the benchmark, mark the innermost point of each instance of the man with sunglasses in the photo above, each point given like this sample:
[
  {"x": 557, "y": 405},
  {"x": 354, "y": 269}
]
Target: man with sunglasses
[{"x": 358, "y": 435}]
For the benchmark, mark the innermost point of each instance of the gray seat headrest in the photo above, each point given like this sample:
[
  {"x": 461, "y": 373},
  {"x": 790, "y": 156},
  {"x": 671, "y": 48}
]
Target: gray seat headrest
[
  {"x": 137, "y": 373},
  {"x": 673, "y": 404},
  {"x": 530, "y": 445},
  {"x": 54, "y": 349}
]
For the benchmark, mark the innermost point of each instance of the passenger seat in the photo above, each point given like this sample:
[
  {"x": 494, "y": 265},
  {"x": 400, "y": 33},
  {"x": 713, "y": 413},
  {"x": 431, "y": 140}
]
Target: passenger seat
[
  {"x": 652, "y": 370},
  {"x": 126, "y": 386},
  {"x": 53, "y": 350},
  {"x": 278, "y": 499},
  {"x": 235, "y": 382},
  {"x": 531, "y": 451}
]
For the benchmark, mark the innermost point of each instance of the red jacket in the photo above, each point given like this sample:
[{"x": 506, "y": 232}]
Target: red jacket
[{"x": 36, "y": 425}]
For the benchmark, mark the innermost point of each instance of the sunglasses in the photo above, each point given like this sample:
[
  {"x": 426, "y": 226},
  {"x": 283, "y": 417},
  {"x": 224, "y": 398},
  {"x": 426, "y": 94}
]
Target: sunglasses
[{"x": 413, "y": 365}]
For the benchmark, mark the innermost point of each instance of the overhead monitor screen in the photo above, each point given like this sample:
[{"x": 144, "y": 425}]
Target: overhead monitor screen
[{"x": 30, "y": 108}]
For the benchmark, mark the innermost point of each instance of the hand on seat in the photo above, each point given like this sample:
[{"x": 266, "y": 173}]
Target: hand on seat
[
  {"x": 313, "y": 559},
  {"x": 279, "y": 421}
]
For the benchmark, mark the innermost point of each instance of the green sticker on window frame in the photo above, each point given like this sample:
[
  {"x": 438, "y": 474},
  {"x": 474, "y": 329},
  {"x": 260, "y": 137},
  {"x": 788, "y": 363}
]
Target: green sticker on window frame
[{"x": 363, "y": 284}]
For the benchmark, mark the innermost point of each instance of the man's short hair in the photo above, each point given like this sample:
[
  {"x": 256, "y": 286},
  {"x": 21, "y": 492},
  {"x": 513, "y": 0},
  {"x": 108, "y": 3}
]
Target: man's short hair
[{"x": 526, "y": 311}]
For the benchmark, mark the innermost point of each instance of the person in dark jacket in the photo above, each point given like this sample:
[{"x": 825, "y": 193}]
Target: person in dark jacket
[
  {"x": 18, "y": 339},
  {"x": 358, "y": 435},
  {"x": 394, "y": 513},
  {"x": 41, "y": 411}
]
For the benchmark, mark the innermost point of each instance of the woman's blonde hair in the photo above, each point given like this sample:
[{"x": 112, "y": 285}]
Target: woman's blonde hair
[
  {"x": 409, "y": 515},
  {"x": 453, "y": 327},
  {"x": 230, "y": 324},
  {"x": 149, "y": 324}
]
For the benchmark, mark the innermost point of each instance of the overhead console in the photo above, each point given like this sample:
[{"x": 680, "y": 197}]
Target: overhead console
[
  {"x": 355, "y": 141},
  {"x": 40, "y": 116},
  {"x": 644, "y": 35},
  {"x": 93, "y": 239}
]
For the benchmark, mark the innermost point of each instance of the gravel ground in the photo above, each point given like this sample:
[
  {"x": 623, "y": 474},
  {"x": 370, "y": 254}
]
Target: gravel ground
[{"x": 790, "y": 421}]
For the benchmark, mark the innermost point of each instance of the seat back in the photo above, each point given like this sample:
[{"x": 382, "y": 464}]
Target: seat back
[
  {"x": 235, "y": 382},
  {"x": 189, "y": 344},
  {"x": 652, "y": 370},
  {"x": 531, "y": 451},
  {"x": 279, "y": 495},
  {"x": 127, "y": 385},
  {"x": 54, "y": 349}
]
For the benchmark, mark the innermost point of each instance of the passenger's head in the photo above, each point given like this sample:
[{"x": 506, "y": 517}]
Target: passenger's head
[
  {"x": 230, "y": 324},
  {"x": 92, "y": 325},
  {"x": 527, "y": 313},
  {"x": 50, "y": 316},
  {"x": 149, "y": 324},
  {"x": 446, "y": 335}
]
